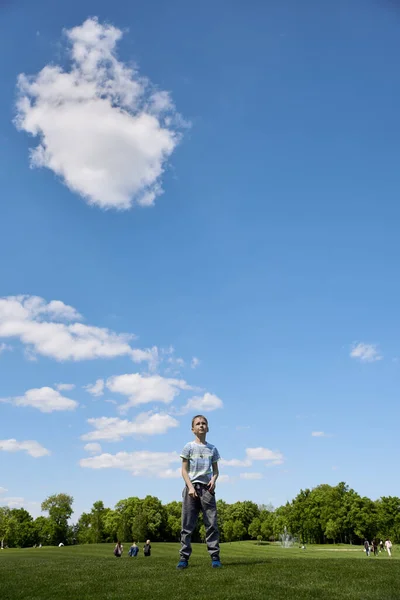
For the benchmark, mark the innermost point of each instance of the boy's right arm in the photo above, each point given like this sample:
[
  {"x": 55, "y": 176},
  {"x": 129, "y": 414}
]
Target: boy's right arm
[{"x": 185, "y": 475}]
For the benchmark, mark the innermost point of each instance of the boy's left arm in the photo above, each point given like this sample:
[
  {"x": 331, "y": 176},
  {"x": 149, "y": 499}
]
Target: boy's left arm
[{"x": 211, "y": 485}]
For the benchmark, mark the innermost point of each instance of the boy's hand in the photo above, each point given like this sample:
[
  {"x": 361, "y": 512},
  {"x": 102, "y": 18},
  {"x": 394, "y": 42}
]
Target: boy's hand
[
  {"x": 192, "y": 492},
  {"x": 211, "y": 485}
]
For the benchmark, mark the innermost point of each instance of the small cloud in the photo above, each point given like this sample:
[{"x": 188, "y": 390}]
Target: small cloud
[
  {"x": 92, "y": 448},
  {"x": 31, "y": 447},
  {"x": 273, "y": 457},
  {"x": 64, "y": 387},
  {"x": 141, "y": 463},
  {"x": 225, "y": 479},
  {"x": 4, "y": 347},
  {"x": 365, "y": 352},
  {"x": 44, "y": 399},
  {"x": 242, "y": 427},
  {"x": 114, "y": 429},
  {"x": 205, "y": 403},
  {"x": 235, "y": 462},
  {"x": 320, "y": 434},
  {"x": 194, "y": 362},
  {"x": 96, "y": 389},
  {"x": 3, "y": 490},
  {"x": 143, "y": 389},
  {"x": 251, "y": 476}
]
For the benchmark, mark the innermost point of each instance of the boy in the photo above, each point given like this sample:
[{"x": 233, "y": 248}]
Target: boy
[{"x": 200, "y": 472}]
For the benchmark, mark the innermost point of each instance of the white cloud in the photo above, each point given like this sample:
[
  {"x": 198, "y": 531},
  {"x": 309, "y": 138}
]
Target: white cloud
[
  {"x": 194, "y": 362},
  {"x": 3, "y": 490},
  {"x": 4, "y": 347},
  {"x": 61, "y": 387},
  {"x": 13, "y": 501},
  {"x": 365, "y": 352},
  {"x": 102, "y": 128},
  {"x": 113, "y": 429},
  {"x": 31, "y": 447},
  {"x": 31, "y": 320},
  {"x": 142, "y": 389},
  {"x": 205, "y": 403},
  {"x": 19, "y": 502},
  {"x": 234, "y": 462},
  {"x": 149, "y": 355},
  {"x": 96, "y": 389},
  {"x": 144, "y": 463},
  {"x": 224, "y": 479},
  {"x": 271, "y": 456},
  {"x": 251, "y": 476},
  {"x": 92, "y": 448},
  {"x": 44, "y": 399},
  {"x": 320, "y": 434}
]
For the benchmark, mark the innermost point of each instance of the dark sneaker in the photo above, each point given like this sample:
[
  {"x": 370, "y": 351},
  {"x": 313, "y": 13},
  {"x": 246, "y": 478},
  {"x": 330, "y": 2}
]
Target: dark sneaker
[
  {"x": 182, "y": 564},
  {"x": 216, "y": 564}
]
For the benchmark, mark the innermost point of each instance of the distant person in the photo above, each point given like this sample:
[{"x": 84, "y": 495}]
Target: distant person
[
  {"x": 133, "y": 550},
  {"x": 147, "y": 548},
  {"x": 200, "y": 472},
  {"x": 380, "y": 546},
  {"x": 118, "y": 550},
  {"x": 366, "y": 547},
  {"x": 388, "y": 546},
  {"x": 376, "y": 548}
]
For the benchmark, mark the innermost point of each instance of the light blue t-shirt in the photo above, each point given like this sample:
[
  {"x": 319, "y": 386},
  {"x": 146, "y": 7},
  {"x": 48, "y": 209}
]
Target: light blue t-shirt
[{"x": 201, "y": 458}]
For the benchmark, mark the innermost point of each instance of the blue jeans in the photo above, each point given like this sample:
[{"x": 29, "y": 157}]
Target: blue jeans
[{"x": 190, "y": 511}]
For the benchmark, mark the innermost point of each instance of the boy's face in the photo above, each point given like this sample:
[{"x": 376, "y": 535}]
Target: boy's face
[{"x": 200, "y": 426}]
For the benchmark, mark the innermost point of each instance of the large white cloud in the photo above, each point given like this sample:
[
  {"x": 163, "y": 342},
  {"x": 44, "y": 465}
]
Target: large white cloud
[
  {"x": 53, "y": 329},
  {"x": 102, "y": 128},
  {"x": 31, "y": 447},
  {"x": 142, "y": 389},
  {"x": 113, "y": 429},
  {"x": 145, "y": 463},
  {"x": 44, "y": 399}
]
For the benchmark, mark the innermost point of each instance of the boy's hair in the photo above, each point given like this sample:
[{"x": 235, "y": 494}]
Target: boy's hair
[{"x": 197, "y": 417}]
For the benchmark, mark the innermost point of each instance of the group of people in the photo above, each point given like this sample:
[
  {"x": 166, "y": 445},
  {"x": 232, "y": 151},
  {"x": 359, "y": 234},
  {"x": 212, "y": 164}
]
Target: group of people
[
  {"x": 375, "y": 547},
  {"x": 133, "y": 550}
]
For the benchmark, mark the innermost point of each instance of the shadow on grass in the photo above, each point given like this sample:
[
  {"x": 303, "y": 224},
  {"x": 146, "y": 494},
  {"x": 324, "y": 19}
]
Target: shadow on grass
[{"x": 246, "y": 562}]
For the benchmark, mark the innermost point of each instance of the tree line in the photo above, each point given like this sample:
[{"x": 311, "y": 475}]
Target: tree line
[{"x": 324, "y": 514}]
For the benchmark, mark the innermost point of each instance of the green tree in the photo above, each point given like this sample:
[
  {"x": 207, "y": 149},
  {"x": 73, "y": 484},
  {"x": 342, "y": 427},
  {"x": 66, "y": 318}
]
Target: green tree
[
  {"x": 228, "y": 529},
  {"x": 4, "y": 524},
  {"x": 59, "y": 507},
  {"x": 388, "y": 515},
  {"x": 173, "y": 511},
  {"x": 97, "y": 515},
  {"x": 44, "y": 531},
  {"x": 239, "y": 530},
  {"x": 244, "y": 512},
  {"x": 254, "y": 529}
]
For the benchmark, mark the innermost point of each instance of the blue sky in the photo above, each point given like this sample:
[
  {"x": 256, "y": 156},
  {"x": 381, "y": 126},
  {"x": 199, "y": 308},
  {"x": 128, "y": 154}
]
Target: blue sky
[{"x": 199, "y": 212}]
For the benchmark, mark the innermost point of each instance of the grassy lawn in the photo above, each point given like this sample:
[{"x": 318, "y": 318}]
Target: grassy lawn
[{"x": 250, "y": 571}]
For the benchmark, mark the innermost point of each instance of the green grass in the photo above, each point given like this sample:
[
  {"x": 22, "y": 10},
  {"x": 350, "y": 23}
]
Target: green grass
[{"x": 250, "y": 571}]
